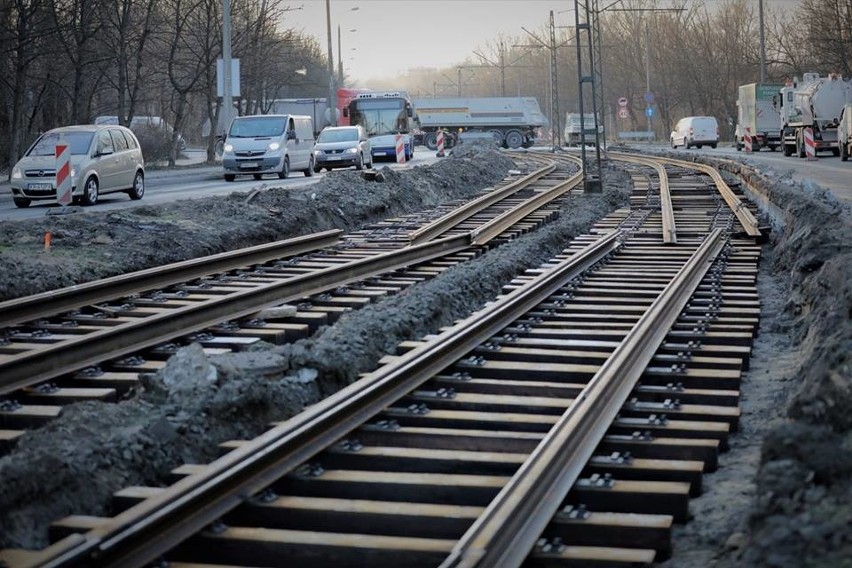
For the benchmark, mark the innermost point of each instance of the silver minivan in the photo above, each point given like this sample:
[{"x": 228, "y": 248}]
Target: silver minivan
[
  {"x": 341, "y": 147},
  {"x": 103, "y": 159},
  {"x": 269, "y": 144}
]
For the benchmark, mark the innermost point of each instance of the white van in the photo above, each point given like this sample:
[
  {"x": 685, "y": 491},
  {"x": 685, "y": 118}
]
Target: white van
[
  {"x": 695, "y": 131},
  {"x": 269, "y": 144}
]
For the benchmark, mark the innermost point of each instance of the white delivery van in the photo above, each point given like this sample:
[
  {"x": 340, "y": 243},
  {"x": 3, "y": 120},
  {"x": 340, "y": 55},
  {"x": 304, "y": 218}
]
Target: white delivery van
[
  {"x": 269, "y": 144},
  {"x": 695, "y": 131}
]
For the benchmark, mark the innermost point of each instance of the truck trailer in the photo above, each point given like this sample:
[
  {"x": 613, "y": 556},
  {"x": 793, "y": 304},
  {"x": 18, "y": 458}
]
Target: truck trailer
[
  {"x": 510, "y": 121},
  {"x": 813, "y": 102},
  {"x": 758, "y": 110},
  {"x": 844, "y": 132}
]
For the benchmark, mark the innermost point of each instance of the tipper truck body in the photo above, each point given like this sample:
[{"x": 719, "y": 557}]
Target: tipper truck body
[{"x": 511, "y": 122}]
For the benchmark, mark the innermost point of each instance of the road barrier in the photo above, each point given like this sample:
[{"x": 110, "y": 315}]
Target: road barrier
[
  {"x": 400, "y": 149},
  {"x": 747, "y": 140},
  {"x": 810, "y": 147},
  {"x": 439, "y": 137},
  {"x": 63, "y": 175}
]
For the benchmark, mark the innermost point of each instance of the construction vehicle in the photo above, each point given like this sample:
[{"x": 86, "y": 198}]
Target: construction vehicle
[
  {"x": 844, "y": 132},
  {"x": 813, "y": 102},
  {"x": 511, "y": 122},
  {"x": 758, "y": 114},
  {"x": 576, "y": 124}
]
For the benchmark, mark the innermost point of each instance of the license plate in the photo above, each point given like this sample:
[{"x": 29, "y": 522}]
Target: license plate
[
  {"x": 378, "y": 153},
  {"x": 335, "y": 158},
  {"x": 39, "y": 186},
  {"x": 249, "y": 165}
]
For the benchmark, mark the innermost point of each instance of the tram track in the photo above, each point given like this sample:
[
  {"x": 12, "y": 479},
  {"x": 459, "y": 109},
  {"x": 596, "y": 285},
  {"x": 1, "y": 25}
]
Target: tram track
[{"x": 459, "y": 417}]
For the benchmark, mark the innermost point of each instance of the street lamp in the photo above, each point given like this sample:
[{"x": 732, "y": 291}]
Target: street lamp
[{"x": 340, "y": 55}]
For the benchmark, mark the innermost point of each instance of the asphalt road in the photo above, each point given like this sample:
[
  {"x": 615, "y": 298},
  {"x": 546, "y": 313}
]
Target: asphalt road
[{"x": 191, "y": 179}]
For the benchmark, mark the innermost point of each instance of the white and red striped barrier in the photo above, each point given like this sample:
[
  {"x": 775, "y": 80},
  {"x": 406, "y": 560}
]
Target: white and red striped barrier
[
  {"x": 63, "y": 175},
  {"x": 439, "y": 138},
  {"x": 747, "y": 140},
  {"x": 400, "y": 149},
  {"x": 810, "y": 146}
]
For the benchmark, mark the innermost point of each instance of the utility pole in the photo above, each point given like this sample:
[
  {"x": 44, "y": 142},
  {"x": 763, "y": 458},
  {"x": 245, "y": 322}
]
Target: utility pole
[
  {"x": 648, "y": 69},
  {"x": 339, "y": 60},
  {"x": 227, "y": 88},
  {"x": 593, "y": 181},
  {"x": 762, "y": 44},
  {"x": 332, "y": 108}
]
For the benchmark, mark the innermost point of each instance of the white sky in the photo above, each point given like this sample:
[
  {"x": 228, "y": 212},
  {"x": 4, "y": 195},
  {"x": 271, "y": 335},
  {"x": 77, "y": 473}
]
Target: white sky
[{"x": 396, "y": 35}]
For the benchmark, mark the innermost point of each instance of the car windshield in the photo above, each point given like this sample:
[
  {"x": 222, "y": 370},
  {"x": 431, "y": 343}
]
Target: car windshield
[
  {"x": 346, "y": 135},
  {"x": 80, "y": 142},
  {"x": 257, "y": 127}
]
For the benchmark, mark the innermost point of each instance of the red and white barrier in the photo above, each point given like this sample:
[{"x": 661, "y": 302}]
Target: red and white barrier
[
  {"x": 747, "y": 140},
  {"x": 400, "y": 149},
  {"x": 439, "y": 138},
  {"x": 63, "y": 175},
  {"x": 810, "y": 146}
]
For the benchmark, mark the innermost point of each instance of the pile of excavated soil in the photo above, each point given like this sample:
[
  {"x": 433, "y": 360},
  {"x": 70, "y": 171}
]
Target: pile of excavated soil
[{"x": 780, "y": 498}]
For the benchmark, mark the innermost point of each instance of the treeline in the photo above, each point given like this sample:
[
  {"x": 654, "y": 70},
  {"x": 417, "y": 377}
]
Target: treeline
[
  {"x": 699, "y": 53},
  {"x": 69, "y": 61}
]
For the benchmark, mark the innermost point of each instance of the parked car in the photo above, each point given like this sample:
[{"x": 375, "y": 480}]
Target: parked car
[
  {"x": 341, "y": 147},
  {"x": 103, "y": 158},
  {"x": 269, "y": 144},
  {"x": 141, "y": 122},
  {"x": 695, "y": 131}
]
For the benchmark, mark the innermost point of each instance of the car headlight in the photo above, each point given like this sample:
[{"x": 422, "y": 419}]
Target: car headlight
[
  {"x": 317, "y": 153},
  {"x": 352, "y": 150},
  {"x": 16, "y": 173},
  {"x": 274, "y": 146},
  {"x": 73, "y": 173},
  {"x": 229, "y": 148}
]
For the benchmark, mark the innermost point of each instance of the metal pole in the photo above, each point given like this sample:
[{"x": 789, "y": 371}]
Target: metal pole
[
  {"x": 459, "y": 81},
  {"x": 332, "y": 110},
  {"x": 227, "y": 91},
  {"x": 648, "y": 71},
  {"x": 339, "y": 60},
  {"x": 762, "y": 44}
]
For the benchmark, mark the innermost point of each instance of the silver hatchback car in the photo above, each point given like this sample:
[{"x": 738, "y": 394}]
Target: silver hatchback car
[
  {"x": 104, "y": 158},
  {"x": 341, "y": 147}
]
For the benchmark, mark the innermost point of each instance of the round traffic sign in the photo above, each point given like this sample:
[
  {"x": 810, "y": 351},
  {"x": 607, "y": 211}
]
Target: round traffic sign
[
  {"x": 622, "y": 102},
  {"x": 649, "y": 97},
  {"x": 622, "y": 113},
  {"x": 649, "y": 112}
]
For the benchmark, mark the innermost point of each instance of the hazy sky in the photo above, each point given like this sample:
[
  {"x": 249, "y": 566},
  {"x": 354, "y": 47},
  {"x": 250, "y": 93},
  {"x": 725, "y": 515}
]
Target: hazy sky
[{"x": 395, "y": 35}]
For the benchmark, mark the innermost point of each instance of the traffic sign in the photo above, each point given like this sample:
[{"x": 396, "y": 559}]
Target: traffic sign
[
  {"x": 649, "y": 97},
  {"x": 622, "y": 113},
  {"x": 622, "y": 102},
  {"x": 649, "y": 111}
]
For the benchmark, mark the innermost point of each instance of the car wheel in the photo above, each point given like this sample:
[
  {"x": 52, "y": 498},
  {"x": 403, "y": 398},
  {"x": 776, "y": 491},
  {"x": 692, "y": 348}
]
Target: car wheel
[
  {"x": 844, "y": 155},
  {"x": 138, "y": 189},
  {"x": 258, "y": 176},
  {"x": 370, "y": 164},
  {"x": 317, "y": 169},
  {"x": 90, "y": 191},
  {"x": 310, "y": 171},
  {"x": 712, "y": 145},
  {"x": 285, "y": 169},
  {"x": 673, "y": 144},
  {"x": 359, "y": 165},
  {"x": 230, "y": 177},
  {"x": 431, "y": 141},
  {"x": 800, "y": 147},
  {"x": 21, "y": 202}
]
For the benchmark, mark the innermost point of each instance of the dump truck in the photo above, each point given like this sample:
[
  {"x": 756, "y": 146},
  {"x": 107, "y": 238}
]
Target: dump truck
[
  {"x": 511, "y": 122},
  {"x": 758, "y": 110},
  {"x": 813, "y": 102},
  {"x": 573, "y": 131}
]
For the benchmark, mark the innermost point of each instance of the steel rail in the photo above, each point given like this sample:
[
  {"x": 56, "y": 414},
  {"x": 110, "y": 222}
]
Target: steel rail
[
  {"x": 456, "y": 216},
  {"x": 142, "y": 533},
  {"x": 669, "y": 229},
  {"x": 66, "y": 299},
  {"x": 496, "y": 226},
  {"x": 744, "y": 216},
  {"x": 507, "y": 530},
  {"x": 116, "y": 341}
]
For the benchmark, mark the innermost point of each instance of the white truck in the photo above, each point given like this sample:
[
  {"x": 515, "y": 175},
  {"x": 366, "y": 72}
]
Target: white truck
[
  {"x": 573, "y": 129},
  {"x": 844, "y": 132},
  {"x": 813, "y": 102},
  {"x": 510, "y": 121},
  {"x": 758, "y": 111}
]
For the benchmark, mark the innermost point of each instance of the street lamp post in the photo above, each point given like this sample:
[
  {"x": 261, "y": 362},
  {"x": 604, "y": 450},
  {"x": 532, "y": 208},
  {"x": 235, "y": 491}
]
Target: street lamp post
[
  {"x": 332, "y": 110},
  {"x": 340, "y": 54}
]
